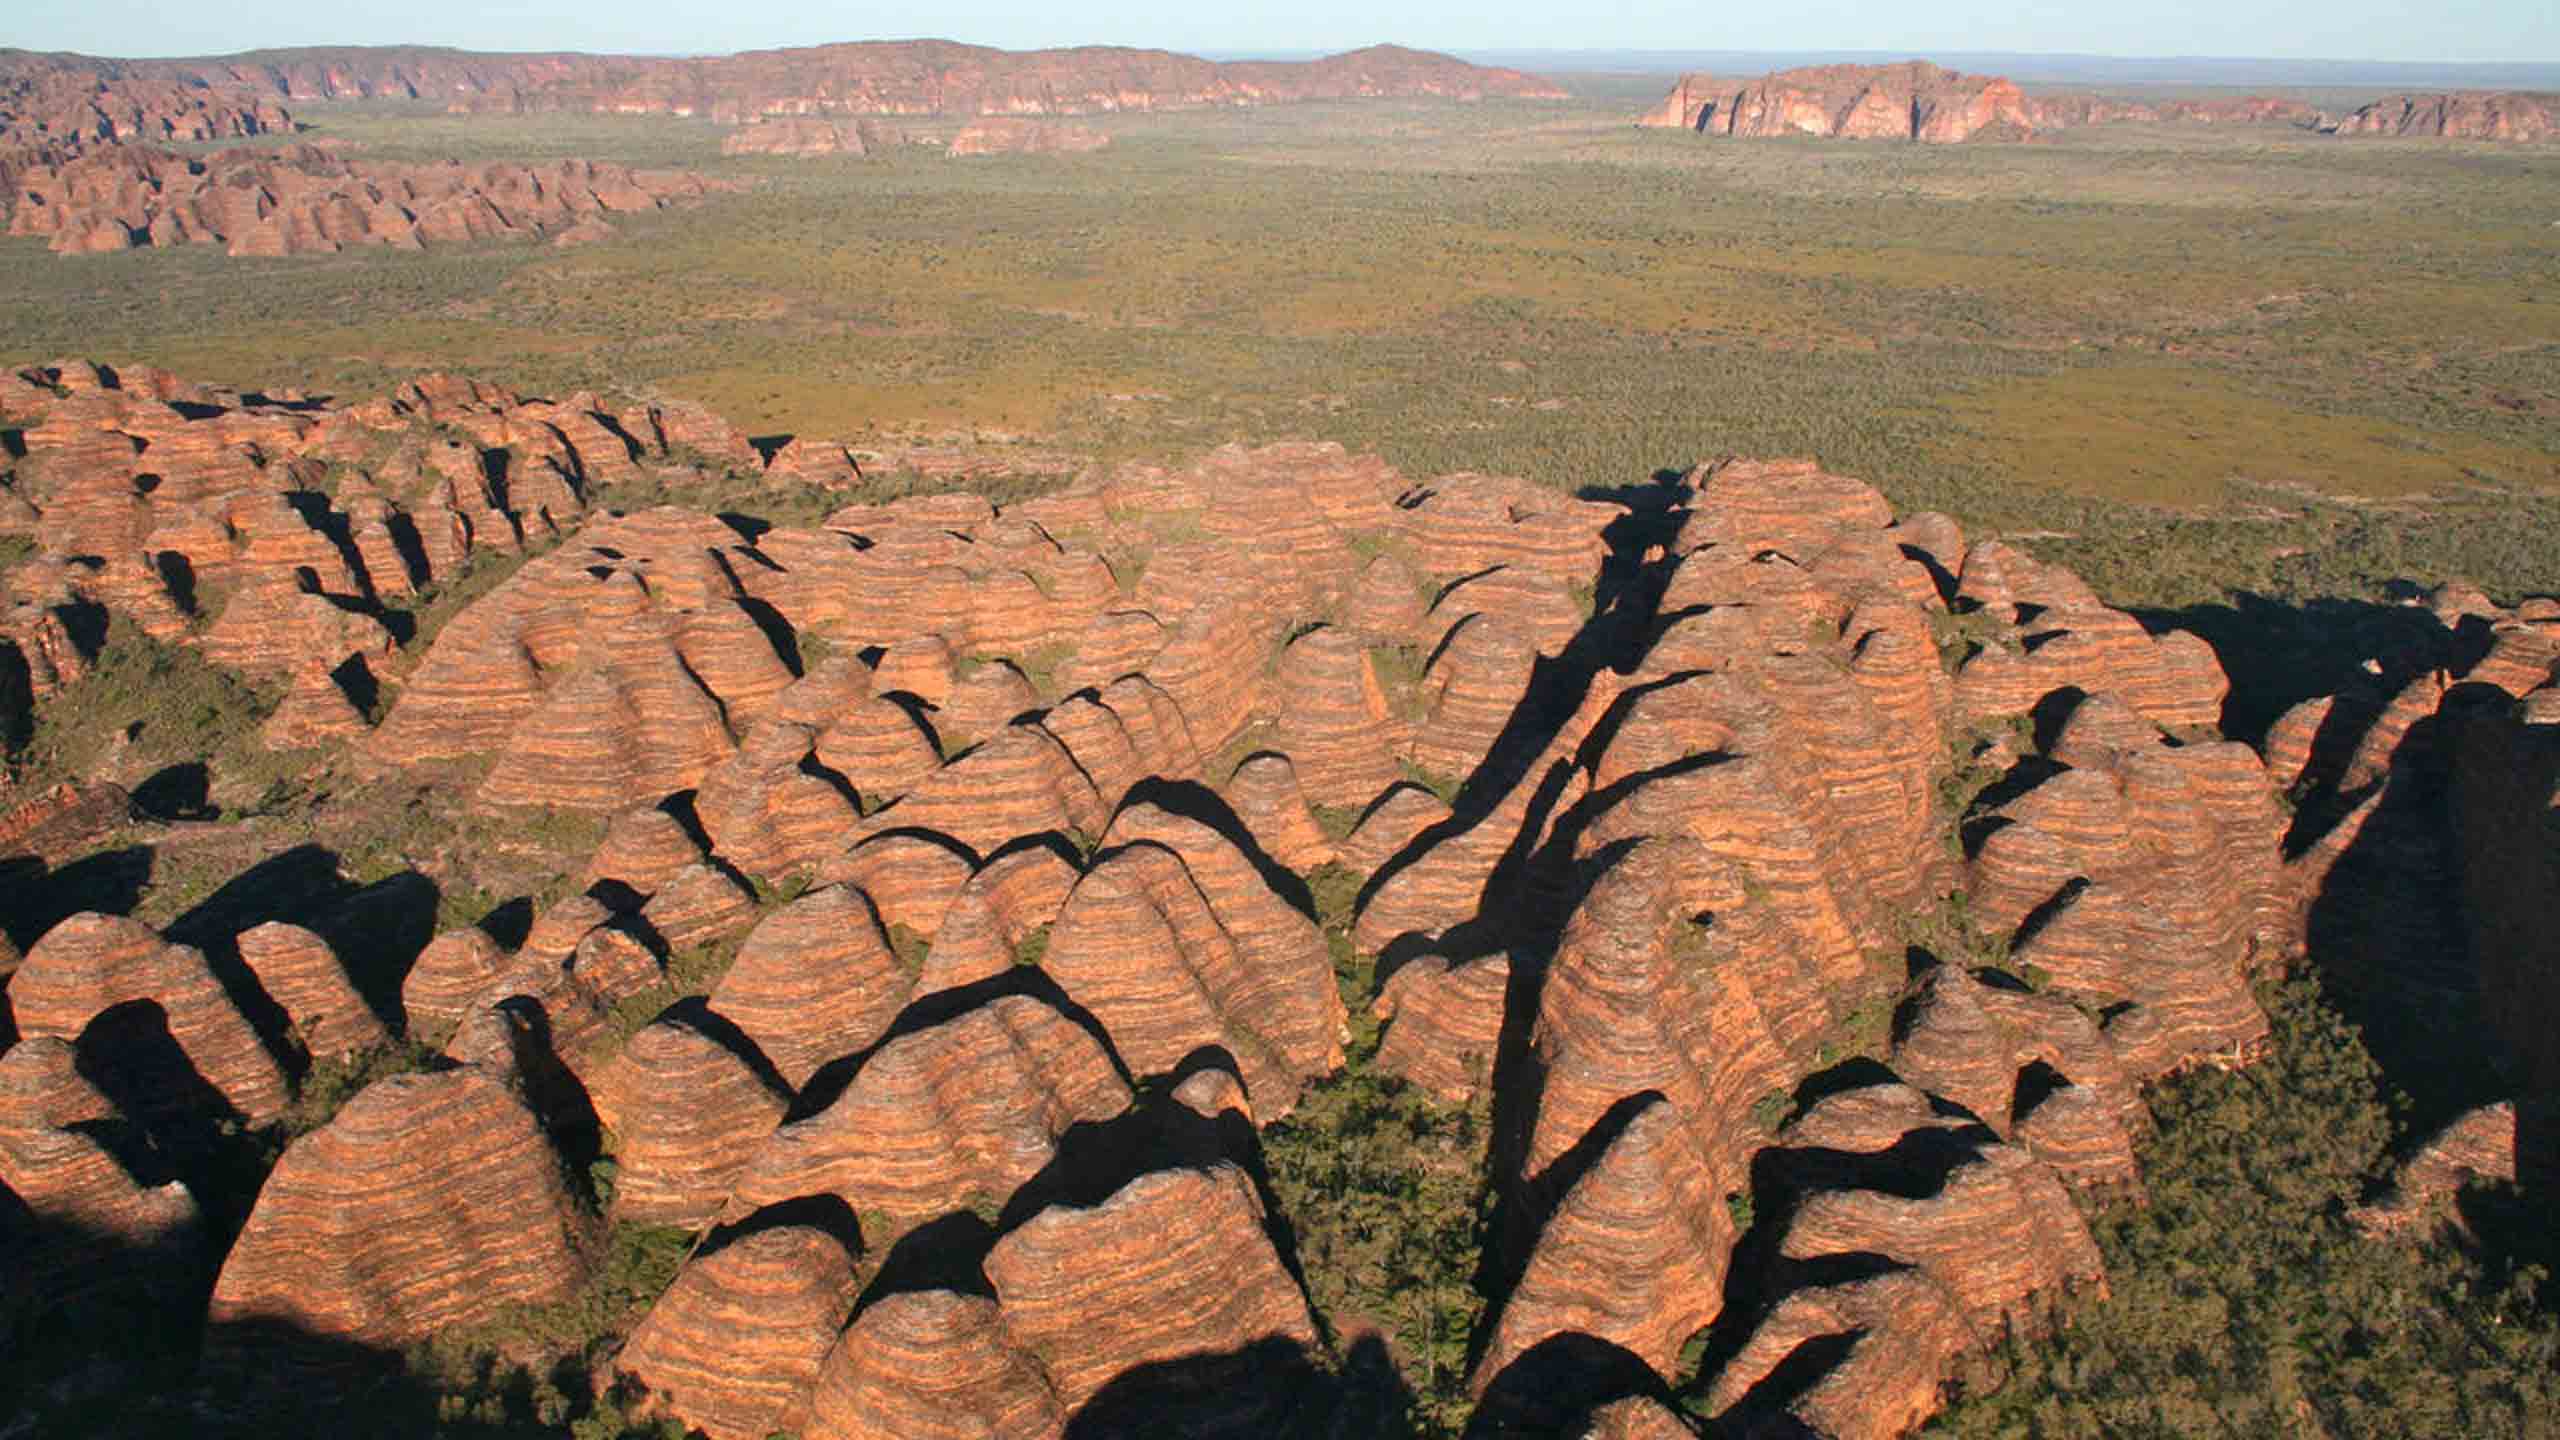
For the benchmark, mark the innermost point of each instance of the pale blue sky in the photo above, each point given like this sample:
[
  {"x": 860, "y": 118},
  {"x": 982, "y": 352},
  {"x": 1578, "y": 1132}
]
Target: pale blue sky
[{"x": 2438, "y": 30}]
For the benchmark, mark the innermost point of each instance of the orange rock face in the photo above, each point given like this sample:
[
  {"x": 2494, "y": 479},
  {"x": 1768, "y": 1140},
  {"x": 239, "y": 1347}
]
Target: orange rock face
[
  {"x": 1981, "y": 1237},
  {"x": 687, "y": 1113},
  {"x": 1676, "y": 861},
  {"x": 1173, "y": 1265},
  {"x": 891, "y": 77},
  {"x": 961, "y": 1113},
  {"x": 310, "y": 200},
  {"x": 2464, "y": 115},
  {"x": 431, "y": 1200},
  {"x": 163, "y": 1004},
  {"x": 1026, "y": 137},
  {"x": 732, "y": 1349},
  {"x": 1911, "y": 101}
]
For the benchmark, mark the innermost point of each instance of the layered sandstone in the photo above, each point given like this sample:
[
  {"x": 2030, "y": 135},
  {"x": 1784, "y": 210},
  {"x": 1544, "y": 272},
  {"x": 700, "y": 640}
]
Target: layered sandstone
[
  {"x": 1980, "y": 1242},
  {"x": 901, "y": 77},
  {"x": 152, "y": 994},
  {"x": 430, "y": 1201},
  {"x": 2462, "y": 115},
  {"x": 961, "y": 1113},
  {"x": 732, "y": 1349},
  {"x": 306, "y": 199},
  {"x": 1009, "y": 136},
  {"x": 687, "y": 1112}
]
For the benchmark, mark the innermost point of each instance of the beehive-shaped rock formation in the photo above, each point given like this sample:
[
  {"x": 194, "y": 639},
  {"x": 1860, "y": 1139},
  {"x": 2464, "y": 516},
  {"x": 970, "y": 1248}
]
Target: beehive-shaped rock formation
[
  {"x": 732, "y": 1349},
  {"x": 1981, "y": 1239},
  {"x": 92, "y": 966},
  {"x": 687, "y": 1112},
  {"x": 963, "y": 1112},
  {"x": 1172, "y": 1266},
  {"x": 300, "y": 973},
  {"x": 429, "y": 1201}
]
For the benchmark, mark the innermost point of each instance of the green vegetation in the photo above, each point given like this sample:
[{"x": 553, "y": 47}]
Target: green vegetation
[
  {"x": 2242, "y": 1301},
  {"x": 330, "y": 1084},
  {"x": 1386, "y": 1197}
]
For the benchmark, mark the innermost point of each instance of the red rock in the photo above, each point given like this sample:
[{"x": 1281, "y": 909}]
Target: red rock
[
  {"x": 448, "y": 977},
  {"x": 815, "y": 981},
  {"x": 732, "y": 1349},
  {"x": 2464, "y": 115},
  {"x": 1911, "y": 101},
  {"x": 699, "y": 905},
  {"x": 964, "y": 1112},
  {"x": 1983, "y": 1238},
  {"x": 686, "y": 1113},
  {"x": 429, "y": 1201},
  {"x": 301, "y": 974},
  {"x": 1445, "y": 1024},
  {"x": 98, "y": 1221},
  {"x": 2480, "y": 1145},
  {"x": 911, "y": 879},
  {"x": 765, "y": 814},
  {"x": 1334, "y": 726},
  {"x": 877, "y": 747},
  {"x": 1266, "y": 796},
  {"x": 1633, "y": 1256},
  {"x": 92, "y": 963},
  {"x": 643, "y": 849},
  {"x": 932, "y": 1365},
  {"x": 1173, "y": 1265}
]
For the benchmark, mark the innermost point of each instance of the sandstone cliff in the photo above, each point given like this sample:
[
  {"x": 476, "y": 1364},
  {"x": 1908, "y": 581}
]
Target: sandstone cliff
[{"x": 898, "y": 77}]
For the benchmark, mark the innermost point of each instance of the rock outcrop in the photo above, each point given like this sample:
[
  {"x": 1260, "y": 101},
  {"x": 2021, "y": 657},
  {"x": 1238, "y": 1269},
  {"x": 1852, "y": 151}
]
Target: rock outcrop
[
  {"x": 2462, "y": 115},
  {"x": 732, "y": 1349},
  {"x": 430, "y": 1201},
  {"x": 895, "y": 77},
  {"x": 306, "y": 199},
  {"x": 114, "y": 985},
  {"x": 1010, "y": 136},
  {"x": 803, "y": 136},
  {"x": 1911, "y": 101}
]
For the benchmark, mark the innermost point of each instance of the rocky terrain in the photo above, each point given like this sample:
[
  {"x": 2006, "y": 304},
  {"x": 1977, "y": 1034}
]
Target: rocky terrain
[
  {"x": 309, "y": 199},
  {"x": 790, "y": 135},
  {"x": 1026, "y": 137},
  {"x": 1922, "y": 102},
  {"x": 901, "y": 77},
  {"x": 1804, "y": 893},
  {"x": 68, "y": 109},
  {"x": 2462, "y": 115}
]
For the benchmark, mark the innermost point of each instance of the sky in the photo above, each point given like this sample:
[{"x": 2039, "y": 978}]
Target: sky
[{"x": 2438, "y": 30}]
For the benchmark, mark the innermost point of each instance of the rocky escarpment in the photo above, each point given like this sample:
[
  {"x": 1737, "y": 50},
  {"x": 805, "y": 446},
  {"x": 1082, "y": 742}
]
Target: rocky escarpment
[
  {"x": 307, "y": 199},
  {"x": 902, "y": 77},
  {"x": 1805, "y": 891},
  {"x": 2459, "y": 115},
  {"x": 1911, "y": 101},
  {"x": 1010, "y": 136},
  {"x": 2419, "y": 858},
  {"x": 1918, "y": 101},
  {"x": 70, "y": 109},
  {"x": 804, "y": 135}
]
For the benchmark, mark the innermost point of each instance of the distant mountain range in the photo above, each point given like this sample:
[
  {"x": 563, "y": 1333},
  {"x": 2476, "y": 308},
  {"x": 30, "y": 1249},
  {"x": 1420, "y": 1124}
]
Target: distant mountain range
[
  {"x": 2061, "y": 69},
  {"x": 900, "y": 77}
]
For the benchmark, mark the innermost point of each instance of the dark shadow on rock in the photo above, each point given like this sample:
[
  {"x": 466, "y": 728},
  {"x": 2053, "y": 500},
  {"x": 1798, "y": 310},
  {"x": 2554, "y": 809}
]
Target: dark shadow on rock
[
  {"x": 1556, "y": 1381},
  {"x": 34, "y": 899},
  {"x": 1258, "y": 1390},
  {"x": 176, "y": 792}
]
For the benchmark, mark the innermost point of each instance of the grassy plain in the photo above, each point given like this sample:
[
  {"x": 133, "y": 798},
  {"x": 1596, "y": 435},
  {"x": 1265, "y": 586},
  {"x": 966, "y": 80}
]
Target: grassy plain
[{"x": 2267, "y": 329}]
